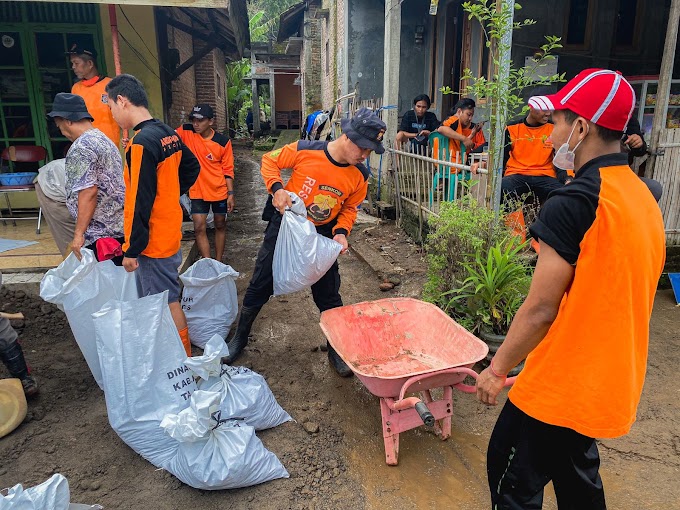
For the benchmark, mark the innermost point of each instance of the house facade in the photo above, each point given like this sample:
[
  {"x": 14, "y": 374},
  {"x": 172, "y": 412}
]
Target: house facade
[{"x": 178, "y": 52}]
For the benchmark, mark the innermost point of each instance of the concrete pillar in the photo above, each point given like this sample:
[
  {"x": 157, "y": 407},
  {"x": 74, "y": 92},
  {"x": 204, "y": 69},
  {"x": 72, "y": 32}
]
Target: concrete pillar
[
  {"x": 272, "y": 99},
  {"x": 391, "y": 65},
  {"x": 256, "y": 107}
]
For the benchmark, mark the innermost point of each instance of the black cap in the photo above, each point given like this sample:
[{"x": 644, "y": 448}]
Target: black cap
[
  {"x": 70, "y": 107},
  {"x": 77, "y": 49},
  {"x": 202, "y": 111},
  {"x": 365, "y": 129}
]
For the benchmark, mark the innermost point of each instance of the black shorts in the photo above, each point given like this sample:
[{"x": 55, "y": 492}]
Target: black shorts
[{"x": 200, "y": 206}]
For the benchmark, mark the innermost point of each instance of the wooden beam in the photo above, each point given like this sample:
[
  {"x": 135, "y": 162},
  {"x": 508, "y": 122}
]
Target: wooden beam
[
  {"x": 238, "y": 11},
  {"x": 194, "y": 16},
  {"x": 187, "y": 29},
  {"x": 664, "y": 87},
  {"x": 214, "y": 4},
  {"x": 212, "y": 44}
]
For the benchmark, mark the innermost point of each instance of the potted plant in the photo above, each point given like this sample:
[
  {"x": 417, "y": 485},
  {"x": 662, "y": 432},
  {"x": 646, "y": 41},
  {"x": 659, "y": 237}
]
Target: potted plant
[{"x": 496, "y": 283}]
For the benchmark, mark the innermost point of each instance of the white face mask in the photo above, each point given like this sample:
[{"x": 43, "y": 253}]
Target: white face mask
[{"x": 564, "y": 158}]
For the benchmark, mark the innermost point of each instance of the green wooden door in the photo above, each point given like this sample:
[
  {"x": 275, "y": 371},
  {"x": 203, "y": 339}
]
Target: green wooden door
[{"x": 34, "y": 67}]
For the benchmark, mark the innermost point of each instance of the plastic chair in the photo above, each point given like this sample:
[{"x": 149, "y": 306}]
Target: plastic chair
[
  {"x": 444, "y": 174},
  {"x": 23, "y": 154}
]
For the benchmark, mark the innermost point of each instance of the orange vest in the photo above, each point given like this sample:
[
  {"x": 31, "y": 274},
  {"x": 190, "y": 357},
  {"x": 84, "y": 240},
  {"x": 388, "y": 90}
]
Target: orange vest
[
  {"x": 97, "y": 102},
  {"x": 531, "y": 151},
  {"x": 587, "y": 373}
]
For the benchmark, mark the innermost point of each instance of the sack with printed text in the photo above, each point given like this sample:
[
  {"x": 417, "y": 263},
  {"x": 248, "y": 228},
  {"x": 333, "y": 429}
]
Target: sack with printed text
[
  {"x": 244, "y": 394},
  {"x": 144, "y": 375},
  {"x": 302, "y": 255},
  {"x": 216, "y": 453},
  {"x": 209, "y": 299}
]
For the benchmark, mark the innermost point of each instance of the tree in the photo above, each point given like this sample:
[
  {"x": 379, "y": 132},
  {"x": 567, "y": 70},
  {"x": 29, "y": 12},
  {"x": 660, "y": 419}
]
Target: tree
[{"x": 502, "y": 93}]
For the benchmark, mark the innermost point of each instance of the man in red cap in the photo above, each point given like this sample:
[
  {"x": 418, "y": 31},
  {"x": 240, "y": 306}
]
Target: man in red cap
[{"x": 584, "y": 327}]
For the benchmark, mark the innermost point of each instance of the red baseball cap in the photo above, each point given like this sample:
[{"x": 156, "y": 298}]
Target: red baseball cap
[{"x": 602, "y": 96}]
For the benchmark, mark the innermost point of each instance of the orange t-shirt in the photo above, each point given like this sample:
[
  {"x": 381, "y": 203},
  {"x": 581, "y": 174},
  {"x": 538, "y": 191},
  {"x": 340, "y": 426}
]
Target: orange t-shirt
[
  {"x": 330, "y": 190},
  {"x": 216, "y": 157},
  {"x": 528, "y": 149},
  {"x": 587, "y": 373},
  {"x": 97, "y": 102},
  {"x": 454, "y": 145}
]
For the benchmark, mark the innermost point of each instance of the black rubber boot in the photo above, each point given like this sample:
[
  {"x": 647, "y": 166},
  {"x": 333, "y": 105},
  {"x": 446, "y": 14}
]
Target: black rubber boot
[
  {"x": 240, "y": 338},
  {"x": 13, "y": 359},
  {"x": 336, "y": 361}
]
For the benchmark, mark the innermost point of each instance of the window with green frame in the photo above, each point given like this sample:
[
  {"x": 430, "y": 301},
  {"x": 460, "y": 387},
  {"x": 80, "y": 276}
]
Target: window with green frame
[{"x": 34, "y": 67}]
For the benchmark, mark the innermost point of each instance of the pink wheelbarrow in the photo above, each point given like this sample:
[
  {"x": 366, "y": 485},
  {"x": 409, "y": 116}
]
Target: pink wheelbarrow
[{"x": 403, "y": 346}]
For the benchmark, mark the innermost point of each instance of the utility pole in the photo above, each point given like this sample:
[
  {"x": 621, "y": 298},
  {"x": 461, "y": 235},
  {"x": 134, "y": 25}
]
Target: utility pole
[{"x": 664, "y": 87}]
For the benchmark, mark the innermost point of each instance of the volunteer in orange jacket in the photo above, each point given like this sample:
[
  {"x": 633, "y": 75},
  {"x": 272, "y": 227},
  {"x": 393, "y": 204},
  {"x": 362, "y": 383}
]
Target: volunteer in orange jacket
[
  {"x": 331, "y": 179},
  {"x": 215, "y": 184},
  {"x": 528, "y": 158},
  {"x": 92, "y": 88},
  {"x": 459, "y": 129},
  {"x": 158, "y": 168},
  {"x": 584, "y": 327}
]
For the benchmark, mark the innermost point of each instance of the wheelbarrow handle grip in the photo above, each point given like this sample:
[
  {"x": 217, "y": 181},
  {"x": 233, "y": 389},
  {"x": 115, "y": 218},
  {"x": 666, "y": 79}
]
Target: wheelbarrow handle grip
[
  {"x": 466, "y": 388},
  {"x": 425, "y": 414}
]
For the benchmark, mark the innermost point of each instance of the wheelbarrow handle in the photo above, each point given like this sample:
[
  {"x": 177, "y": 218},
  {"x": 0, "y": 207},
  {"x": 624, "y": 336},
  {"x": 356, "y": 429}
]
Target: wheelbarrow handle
[
  {"x": 413, "y": 380},
  {"x": 466, "y": 388}
]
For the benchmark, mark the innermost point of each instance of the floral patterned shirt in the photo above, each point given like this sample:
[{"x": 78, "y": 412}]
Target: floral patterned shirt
[{"x": 93, "y": 160}]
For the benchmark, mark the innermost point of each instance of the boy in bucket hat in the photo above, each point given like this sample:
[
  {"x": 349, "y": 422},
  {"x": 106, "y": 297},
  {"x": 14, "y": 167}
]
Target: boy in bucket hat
[
  {"x": 214, "y": 187},
  {"x": 584, "y": 326},
  {"x": 332, "y": 181}
]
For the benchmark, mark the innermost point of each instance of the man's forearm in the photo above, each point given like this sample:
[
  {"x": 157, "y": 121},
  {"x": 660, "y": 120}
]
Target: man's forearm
[
  {"x": 230, "y": 183},
  {"x": 87, "y": 202},
  {"x": 450, "y": 133},
  {"x": 528, "y": 329}
]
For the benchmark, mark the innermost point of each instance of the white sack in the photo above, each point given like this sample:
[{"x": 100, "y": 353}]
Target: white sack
[
  {"x": 82, "y": 287},
  {"x": 244, "y": 394},
  {"x": 52, "y": 494},
  {"x": 215, "y": 453},
  {"x": 144, "y": 374},
  {"x": 301, "y": 256},
  {"x": 209, "y": 299}
]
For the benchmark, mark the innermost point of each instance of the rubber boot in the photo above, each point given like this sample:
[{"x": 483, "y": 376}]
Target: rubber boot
[
  {"x": 13, "y": 358},
  {"x": 336, "y": 361},
  {"x": 240, "y": 338}
]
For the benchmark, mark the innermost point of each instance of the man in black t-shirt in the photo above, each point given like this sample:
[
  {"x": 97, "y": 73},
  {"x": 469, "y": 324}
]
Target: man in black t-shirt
[{"x": 417, "y": 124}]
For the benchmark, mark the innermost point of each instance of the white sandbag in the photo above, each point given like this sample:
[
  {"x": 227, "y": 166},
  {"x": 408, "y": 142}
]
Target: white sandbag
[
  {"x": 209, "y": 299},
  {"x": 215, "y": 453},
  {"x": 82, "y": 287},
  {"x": 244, "y": 394},
  {"x": 301, "y": 256},
  {"x": 52, "y": 494},
  {"x": 144, "y": 376}
]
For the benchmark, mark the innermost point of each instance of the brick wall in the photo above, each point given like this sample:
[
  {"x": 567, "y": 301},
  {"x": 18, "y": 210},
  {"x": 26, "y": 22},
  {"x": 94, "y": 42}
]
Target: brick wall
[
  {"x": 184, "y": 87},
  {"x": 210, "y": 83},
  {"x": 310, "y": 61}
]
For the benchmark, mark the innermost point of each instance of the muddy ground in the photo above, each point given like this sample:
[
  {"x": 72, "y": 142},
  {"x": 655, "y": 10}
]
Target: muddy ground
[{"x": 340, "y": 466}]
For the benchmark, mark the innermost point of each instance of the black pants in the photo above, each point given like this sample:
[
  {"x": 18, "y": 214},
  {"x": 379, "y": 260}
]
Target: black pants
[
  {"x": 525, "y": 454},
  {"x": 326, "y": 292},
  {"x": 514, "y": 186}
]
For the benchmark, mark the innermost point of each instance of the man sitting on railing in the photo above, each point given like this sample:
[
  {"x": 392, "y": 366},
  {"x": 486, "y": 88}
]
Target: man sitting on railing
[
  {"x": 417, "y": 123},
  {"x": 528, "y": 158}
]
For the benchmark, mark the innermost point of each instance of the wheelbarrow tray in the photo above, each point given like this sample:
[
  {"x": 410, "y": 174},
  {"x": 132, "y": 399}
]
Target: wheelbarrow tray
[{"x": 388, "y": 341}]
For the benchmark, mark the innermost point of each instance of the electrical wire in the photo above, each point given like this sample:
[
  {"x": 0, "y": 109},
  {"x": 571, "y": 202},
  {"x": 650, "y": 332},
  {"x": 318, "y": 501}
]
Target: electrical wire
[
  {"x": 138, "y": 35},
  {"x": 139, "y": 56}
]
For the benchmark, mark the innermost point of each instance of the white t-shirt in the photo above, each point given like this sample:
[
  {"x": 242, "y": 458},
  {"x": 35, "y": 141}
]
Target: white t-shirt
[{"x": 52, "y": 180}]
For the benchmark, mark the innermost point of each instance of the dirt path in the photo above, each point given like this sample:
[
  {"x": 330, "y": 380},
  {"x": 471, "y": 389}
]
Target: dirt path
[{"x": 342, "y": 465}]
